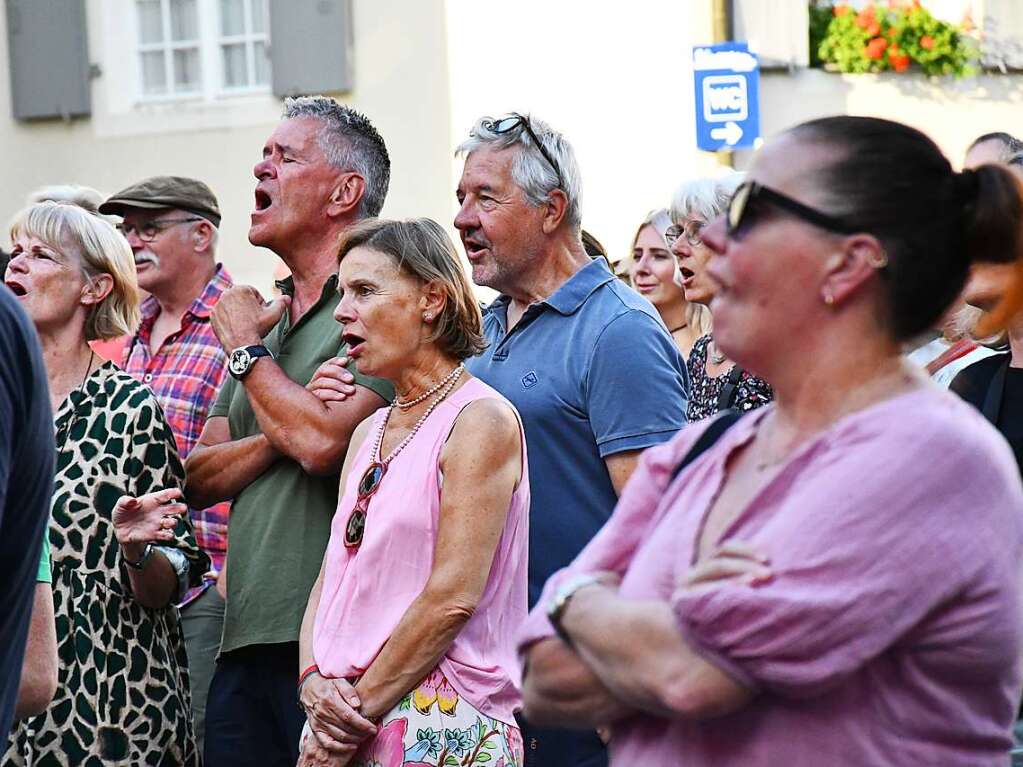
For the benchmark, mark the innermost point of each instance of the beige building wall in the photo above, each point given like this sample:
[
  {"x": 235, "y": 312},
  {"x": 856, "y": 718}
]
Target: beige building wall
[
  {"x": 615, "y": 78},
  {"x": 951, "y": 112},
  {"x": 401, "y": 83}
]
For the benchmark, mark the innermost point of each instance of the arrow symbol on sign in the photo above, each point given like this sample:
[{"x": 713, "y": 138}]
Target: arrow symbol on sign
[{"x": 730, "y": 133}]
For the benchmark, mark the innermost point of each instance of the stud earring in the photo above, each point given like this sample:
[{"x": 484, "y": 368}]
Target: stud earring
[
  {"x": 829, "y": 299},
  {"x": 427, "y": 317}
]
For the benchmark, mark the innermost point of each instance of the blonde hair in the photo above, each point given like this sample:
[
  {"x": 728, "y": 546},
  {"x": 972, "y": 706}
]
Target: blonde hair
[
  {"x": 101, "y": 249},
  {"x": 422, "y": 249}
]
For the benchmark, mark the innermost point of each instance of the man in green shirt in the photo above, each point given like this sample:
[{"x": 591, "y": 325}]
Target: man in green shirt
[{"x": 269, "y": 443}]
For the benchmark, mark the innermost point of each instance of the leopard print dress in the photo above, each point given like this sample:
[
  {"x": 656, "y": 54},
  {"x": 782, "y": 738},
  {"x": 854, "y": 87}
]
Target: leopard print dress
[{"x": 122, "y": 692}]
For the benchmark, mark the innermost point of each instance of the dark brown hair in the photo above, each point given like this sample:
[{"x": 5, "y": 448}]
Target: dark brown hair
[
  {"x": 422, "y": 249},
  {"x": 893, "y": 182}
]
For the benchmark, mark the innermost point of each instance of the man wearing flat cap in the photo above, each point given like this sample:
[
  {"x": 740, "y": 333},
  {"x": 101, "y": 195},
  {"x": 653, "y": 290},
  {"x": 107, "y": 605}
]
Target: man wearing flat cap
[{"x": 171, "y": 224}]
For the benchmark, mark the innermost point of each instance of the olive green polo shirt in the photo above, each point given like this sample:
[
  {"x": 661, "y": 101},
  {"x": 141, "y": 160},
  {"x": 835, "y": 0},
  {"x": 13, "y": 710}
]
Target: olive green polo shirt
[{"x": 280, "y": 523}]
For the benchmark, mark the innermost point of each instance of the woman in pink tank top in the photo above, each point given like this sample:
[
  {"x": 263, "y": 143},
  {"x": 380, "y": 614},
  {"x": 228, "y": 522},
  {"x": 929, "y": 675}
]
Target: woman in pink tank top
[{"x": 407, "y": 643}]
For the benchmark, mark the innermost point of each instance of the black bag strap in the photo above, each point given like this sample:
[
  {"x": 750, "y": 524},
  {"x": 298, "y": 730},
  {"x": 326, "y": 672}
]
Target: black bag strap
[
  {"x": 730, "y": 387},
  {"x": 706, "y": 440}
]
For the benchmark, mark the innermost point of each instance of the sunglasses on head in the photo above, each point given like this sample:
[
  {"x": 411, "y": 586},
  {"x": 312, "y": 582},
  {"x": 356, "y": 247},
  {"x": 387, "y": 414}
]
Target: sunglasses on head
[
  {"x": 748, "y": 200},
  {"x": 514, "y": 121}
]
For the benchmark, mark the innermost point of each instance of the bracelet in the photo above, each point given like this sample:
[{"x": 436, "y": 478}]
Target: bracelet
[
  {"x": 304, "y": 676},
  {"x": 147, "y": 552}
]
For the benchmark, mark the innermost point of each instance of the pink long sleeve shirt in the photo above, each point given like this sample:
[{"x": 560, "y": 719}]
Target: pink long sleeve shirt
[{"x": 891, "y": 631}]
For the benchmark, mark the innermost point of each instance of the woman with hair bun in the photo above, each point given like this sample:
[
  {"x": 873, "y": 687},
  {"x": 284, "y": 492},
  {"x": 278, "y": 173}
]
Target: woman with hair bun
[{"x": 835, "y": 578}]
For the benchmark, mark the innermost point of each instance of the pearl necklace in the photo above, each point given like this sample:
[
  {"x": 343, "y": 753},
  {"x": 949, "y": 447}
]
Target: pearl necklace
[
  {"x": 426, "y": 395},
  {"x": 449, "y": 384}
]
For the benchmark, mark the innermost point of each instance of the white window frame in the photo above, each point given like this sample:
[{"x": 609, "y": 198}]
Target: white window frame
[{"x": 211, "y": 66}]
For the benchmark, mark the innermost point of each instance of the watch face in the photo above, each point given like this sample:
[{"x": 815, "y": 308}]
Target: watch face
[{"x": 239, "y": 362}]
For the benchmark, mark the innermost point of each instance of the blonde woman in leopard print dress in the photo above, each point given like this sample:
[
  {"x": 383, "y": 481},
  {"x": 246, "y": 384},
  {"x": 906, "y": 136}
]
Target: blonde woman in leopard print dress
[{"x": 122, "y": 551}]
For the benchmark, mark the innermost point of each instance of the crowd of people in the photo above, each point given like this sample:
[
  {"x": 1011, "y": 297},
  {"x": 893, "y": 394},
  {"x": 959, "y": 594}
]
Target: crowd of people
[{"x": 710, "y": 510}]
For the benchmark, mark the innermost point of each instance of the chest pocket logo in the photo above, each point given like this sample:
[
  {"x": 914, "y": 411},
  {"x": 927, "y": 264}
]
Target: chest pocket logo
[{"x": 529, "y": 380}]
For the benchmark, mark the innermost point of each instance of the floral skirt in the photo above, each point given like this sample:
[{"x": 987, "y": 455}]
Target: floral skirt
[{"x": 433, "y": 727}]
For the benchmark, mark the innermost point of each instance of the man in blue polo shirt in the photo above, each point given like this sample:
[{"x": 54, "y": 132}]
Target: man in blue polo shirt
[{"x": 588, "y": 363}]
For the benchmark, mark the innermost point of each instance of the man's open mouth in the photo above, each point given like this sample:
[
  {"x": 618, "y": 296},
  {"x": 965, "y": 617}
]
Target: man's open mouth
[{"x": 16, "y": 288}]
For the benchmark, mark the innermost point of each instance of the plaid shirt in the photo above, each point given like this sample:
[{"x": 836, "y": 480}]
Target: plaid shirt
[{"x": 185, "y": 375}]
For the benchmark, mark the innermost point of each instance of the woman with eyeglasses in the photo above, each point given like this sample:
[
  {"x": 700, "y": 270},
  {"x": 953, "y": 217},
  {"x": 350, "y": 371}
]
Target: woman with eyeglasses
[
  {"x": 654, "y": 274},
  {"x": 833, "y": 579},
  {"x": 407, "y": 646},
  {"x": 123, "y": 549},
  {"x": 716, "y": 382}
]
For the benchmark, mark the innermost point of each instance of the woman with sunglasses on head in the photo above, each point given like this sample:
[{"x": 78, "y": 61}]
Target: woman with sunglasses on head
[
  {"x": 834, "y": 579},
  {"x": 123, "y": 549},
  {"x": 717, "y": 383},
  {"x": 407, "y": 647},
  {"x": 654, "y": 274}
]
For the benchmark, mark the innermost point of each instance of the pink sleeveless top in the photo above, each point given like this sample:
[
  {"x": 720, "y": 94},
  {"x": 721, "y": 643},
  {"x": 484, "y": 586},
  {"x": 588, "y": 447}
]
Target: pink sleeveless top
[{"x": 367, "y": 590}]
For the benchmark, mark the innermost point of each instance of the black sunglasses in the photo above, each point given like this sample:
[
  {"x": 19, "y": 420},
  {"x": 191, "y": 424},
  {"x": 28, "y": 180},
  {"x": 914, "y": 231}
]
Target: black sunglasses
[
  {"x": 515, "y": 120},
  {"x": 744, "y": 204}
]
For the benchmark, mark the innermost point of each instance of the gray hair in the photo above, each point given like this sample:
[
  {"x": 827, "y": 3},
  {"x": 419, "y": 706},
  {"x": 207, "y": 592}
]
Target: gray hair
[
  {"x": 531, "y": 171},
  {"x": 705, "y": 198},
  {"x": 1008, "y": 144},
  {"x": 350, "y": 143},
  {"x": 84, "y": 197}
]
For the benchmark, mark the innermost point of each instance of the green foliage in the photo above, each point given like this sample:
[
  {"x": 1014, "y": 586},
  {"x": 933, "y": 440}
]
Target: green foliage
[{"x": 893, "y": 36}]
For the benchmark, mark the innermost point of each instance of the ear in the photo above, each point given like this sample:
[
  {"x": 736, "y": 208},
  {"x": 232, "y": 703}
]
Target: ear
[
  {"x": 557, "y": 207},
  {"x": 853, "y": 263},
  {"x": 96, "y": 289},
  {"x": 433, "y": 300},
  {"x": 346, "y": 195},
  {"x": 202, "y": 236}
]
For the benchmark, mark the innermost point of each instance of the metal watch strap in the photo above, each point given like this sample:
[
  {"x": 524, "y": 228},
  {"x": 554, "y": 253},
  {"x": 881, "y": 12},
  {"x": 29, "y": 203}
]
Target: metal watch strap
[
  {"x": 147, "y": 552},
  {"x": 561, "y": 599}
]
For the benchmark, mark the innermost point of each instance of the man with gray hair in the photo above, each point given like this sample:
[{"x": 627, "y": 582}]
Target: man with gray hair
[
  {"x": 992, "y": 148},
  {"x": 270, "y": 444},
  {"x": 586, "y": 361}
]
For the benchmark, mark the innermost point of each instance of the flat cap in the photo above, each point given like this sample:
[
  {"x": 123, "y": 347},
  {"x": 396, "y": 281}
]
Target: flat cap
[{"x": 166, "y": 192}]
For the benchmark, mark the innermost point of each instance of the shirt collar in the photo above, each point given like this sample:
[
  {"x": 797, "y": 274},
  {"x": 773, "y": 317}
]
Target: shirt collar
[
  {"x": 287, "y": 286},
  {"x": 576, "y": 289},
  {"x": 203, "y": 305}
]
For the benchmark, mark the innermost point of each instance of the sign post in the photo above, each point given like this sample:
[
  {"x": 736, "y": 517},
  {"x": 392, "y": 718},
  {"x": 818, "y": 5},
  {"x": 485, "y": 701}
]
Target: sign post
[{"x": 727, "y": 87}]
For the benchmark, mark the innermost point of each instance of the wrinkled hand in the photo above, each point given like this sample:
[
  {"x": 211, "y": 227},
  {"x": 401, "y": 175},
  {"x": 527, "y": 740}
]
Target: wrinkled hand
[
  {"x": 311, "y": 752},
  {"x": 332, "y": 382},
  {"x": 733, "y": 561},
  {"x": 148, "y": 518},
  {"x": 331, "y": 705},
  {"x": 241, "y": 317}
]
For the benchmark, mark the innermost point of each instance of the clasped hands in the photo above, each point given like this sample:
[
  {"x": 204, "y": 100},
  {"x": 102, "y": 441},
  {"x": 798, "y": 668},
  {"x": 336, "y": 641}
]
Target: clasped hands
[
  {"x": 242, "y": 317},
  {"x": 336, "y": 726}
]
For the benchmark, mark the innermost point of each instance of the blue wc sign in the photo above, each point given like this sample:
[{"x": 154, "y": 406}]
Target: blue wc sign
[{"x": 727, "y": 88}]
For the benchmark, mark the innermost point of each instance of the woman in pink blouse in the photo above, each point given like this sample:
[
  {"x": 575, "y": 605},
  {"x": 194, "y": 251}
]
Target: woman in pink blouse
[
  {"x": 836, "y": 579},
  {"x": 407, "y": 645}
]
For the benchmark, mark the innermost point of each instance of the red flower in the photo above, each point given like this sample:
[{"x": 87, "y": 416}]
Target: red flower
[
  {"x": 874, "y": 29},
  {"x": 841, "y": 10},
  {"x": 865, "y": 17},
  {"x": 875, "y": 48},
  {"x": 927, "y": 42},
  {"x": 900, "y": 61}
]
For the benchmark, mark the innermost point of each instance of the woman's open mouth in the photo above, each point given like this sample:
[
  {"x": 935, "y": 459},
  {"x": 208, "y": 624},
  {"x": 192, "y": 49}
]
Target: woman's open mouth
[{"x": 355, "y": 343}]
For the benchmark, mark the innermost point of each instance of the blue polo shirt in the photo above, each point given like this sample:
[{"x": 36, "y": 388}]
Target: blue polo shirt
[{"x": 593, "y": 372}]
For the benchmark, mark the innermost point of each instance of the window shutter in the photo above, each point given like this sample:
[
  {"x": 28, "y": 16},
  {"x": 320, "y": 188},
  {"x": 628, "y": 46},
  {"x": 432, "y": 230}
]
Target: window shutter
[
  {"x": 778, "y": 31},
  {"x": 47, "y": 51},
  {"x": 311, "y": 47}
]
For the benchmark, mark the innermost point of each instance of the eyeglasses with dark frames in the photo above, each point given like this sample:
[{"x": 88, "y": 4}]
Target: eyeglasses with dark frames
[
  {"x": 149, "y": 231},
  {"x": 515, "y": 120},
  {"x": 742, "y": 210}
]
